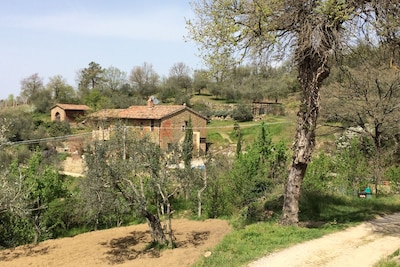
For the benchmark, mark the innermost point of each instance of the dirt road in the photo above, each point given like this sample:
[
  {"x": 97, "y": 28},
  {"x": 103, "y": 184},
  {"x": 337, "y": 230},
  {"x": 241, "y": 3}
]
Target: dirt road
[{"x": 362, "y": 245}]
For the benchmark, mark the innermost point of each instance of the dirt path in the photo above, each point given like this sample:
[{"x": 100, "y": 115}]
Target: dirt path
[{"x": 362, "y": 245}]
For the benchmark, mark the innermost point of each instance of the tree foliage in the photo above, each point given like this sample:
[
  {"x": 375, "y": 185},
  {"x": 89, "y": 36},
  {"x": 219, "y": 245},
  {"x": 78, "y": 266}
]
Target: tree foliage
[
  {"x": 127, "y": 172},
  {"x": 367, "y": 89},
  {"x": 180, "y": 76},
  {"x": 61, "y": 91},
  {"x": 257, "y": 171},
  {"x": 228, "y": 32},
  {"x": 28, "y": 191},
  {"x": 35, "y": 93},
  {"x": 144, "y": 80},
  {"x": 90, "y": 78},
  {"x": 242, "y": 113}
]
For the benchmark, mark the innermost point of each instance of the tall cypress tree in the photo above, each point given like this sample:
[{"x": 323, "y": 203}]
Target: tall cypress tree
[{"x": 187, "y": 146}]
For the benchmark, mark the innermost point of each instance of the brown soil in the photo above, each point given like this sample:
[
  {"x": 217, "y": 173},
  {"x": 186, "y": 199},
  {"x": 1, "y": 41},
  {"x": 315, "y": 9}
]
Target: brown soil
[{"x": 123, "y": 246}]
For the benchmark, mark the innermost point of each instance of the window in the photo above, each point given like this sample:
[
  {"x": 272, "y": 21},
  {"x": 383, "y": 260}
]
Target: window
[
  {"x": 183, "y": 127},
  {"x": 152, "y": 125}
]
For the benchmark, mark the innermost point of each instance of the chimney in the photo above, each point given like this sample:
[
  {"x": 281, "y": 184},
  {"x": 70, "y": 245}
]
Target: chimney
[{"x": 150, "y": 103}]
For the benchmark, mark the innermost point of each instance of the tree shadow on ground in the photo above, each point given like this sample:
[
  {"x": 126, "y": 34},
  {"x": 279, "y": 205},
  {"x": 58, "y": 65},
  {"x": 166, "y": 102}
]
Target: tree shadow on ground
[
  {"x": 28, "y": 250},
  {"x": 126, "y": 248},
  {"x": 327, "y": 208},
  {"x": 138, "y": 244},
  {"x": 318, "y": 209},
  {"x": 388, "y": 225}
]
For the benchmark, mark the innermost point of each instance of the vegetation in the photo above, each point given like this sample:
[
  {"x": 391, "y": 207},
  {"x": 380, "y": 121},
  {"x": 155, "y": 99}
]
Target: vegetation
[
  {"x": 130, "y": 180},
  {"x": 389, "y": 261},
  {"x": 243, "y": 245},
  {"x": 309, "y": 32}
]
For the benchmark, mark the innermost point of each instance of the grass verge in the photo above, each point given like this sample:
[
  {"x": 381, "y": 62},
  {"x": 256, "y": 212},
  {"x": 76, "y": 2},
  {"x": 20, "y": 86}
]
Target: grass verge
[
  {"x": 390, "y": 261},
  {"x": 246, "y": 244}
]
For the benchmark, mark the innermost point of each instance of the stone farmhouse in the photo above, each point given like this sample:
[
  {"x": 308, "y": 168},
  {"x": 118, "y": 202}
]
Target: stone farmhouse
[
  {"x": 68, "y": 112},
  {"x": 165, "y": 124}
]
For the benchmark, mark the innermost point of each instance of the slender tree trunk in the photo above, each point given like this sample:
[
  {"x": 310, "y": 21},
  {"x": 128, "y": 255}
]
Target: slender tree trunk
[
  {"x": 199, "y": 192},
  {"x": 170, "y": 233},
  {"x": 37, "y": 231},
  {"x": 312, "y": 71},
  {"x": 156, "y": 230}
]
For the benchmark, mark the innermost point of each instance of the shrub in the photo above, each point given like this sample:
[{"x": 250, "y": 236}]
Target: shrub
[{"x": 242, "y": 113}]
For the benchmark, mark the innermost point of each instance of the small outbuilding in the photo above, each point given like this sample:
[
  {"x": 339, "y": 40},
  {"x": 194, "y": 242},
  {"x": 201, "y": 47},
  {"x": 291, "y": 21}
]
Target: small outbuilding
[{"x": 68, "y": 112}]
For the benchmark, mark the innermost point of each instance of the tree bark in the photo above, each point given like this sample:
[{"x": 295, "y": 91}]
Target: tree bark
[
  {"x": 156, "y": 230},
  {"x": 313, "y": 70}
]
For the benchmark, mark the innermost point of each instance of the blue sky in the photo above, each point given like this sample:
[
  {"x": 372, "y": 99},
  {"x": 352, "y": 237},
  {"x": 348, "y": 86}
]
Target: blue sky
[{"x": 60, "y": 37}]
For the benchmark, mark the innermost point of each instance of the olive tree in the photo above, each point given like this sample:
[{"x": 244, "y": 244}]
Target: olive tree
[
  {"x": 130, "y": 168},
  {"x": 310, "y": 32}
]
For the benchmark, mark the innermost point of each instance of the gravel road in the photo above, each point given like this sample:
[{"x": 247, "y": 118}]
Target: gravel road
[{"x": 362, "y": 245}]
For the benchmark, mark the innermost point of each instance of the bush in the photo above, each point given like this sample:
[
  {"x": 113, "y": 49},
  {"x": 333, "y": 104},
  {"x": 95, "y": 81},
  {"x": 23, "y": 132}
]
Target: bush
[
  {"x": 242, "y": 113},
  {"x": 59, "y": 128}
]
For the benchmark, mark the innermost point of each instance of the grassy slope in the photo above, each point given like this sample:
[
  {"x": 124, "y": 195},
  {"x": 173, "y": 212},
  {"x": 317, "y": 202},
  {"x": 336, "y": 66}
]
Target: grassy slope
[{"x": 243, "y": 244}]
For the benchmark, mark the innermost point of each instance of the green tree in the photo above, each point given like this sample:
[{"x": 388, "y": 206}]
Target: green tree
[
  {"x": 115, "y": 79},
  {"x": 242, "y": 113},
  {"x": 230, "y": 31},
  {"x": 62, "y": 92},
  {"x": 200, "y": 80},
  {"x": 90, "y": 78},
  {"x": 352, "y": 168},
  {"x": 368, "y": 91},
  {"x": 144, "y": 80},
  {"x": 35, "y": 93},
  {"x": 97, "y": 100},
  {"x": 31, "y": 86},
  {"x": 279, "y": 83},
  {"x": 130, "y": 169},
  {"x": 251, "y": 171},
  {"x": 16, "y": 124},
  {"x": 218, "y": 198},
  {"x": 116, "y": 87},
  {"x": 187, "y": 145},
  {"x": 187, "y": 176},
  {"x": 40, "y": 185},
  {"x": 180, "y": 76}
]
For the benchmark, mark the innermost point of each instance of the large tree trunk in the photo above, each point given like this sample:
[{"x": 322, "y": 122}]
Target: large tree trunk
[{"x": 312, "y": 71}]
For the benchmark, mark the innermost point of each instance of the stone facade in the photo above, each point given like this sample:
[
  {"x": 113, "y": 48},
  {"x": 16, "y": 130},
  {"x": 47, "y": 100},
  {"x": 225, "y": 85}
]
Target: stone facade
[
  {"x": 166, "y": 125},
  {"x": 67, "y": 112}
]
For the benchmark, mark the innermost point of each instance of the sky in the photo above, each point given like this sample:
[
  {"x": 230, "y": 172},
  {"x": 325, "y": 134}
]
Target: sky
[{"x": 61, "y": 37}]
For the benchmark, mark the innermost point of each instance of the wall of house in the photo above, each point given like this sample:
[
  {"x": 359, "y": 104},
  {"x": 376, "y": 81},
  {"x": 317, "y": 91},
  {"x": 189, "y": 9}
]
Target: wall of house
[
  {"x": 173, "y": 129},
  {"x": 60, "y": 111},
  {"x": 145, "y": 127},
  {"x": 170, "y": 130}
]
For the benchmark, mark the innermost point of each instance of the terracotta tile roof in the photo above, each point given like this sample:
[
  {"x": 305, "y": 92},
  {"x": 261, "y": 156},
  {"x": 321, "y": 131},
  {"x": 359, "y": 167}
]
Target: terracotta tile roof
[
  {"x": 153, "y": 112},
  {"x": 71, "y": 107},
  {"x": 106, "y": 113},
  {"x": 156, "y": 112}
]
